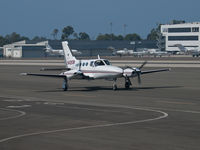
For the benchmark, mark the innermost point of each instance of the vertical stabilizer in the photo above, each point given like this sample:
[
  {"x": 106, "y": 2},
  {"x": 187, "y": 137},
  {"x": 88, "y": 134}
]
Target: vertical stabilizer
[
  {"x": 70, "y": 60},
  {"x": 181, "y": 47},
  {"x": 48, "y": 48}
]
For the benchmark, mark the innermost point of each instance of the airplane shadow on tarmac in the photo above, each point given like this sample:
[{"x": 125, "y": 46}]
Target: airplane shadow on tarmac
[{"x": 100, "y": 88}]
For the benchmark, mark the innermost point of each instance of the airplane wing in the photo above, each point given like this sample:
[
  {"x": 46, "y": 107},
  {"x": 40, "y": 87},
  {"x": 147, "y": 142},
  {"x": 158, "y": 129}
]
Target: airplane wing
[
  {"x": 153, "y": 71},
  {"x": 77, "y": 75},
  {"x": 44, "y": 75},
  {"x": 54, "y": 69}
]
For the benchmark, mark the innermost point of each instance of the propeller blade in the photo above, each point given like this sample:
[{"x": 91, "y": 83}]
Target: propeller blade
[
  {"x": 139, "y": 79},
  {"x": 144, "y": 63}
]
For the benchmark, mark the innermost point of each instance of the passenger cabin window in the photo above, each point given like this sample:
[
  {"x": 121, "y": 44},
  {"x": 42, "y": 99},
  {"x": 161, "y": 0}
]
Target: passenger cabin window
[
  {"x": 86, "y": 64},
  {"x": 91, "y": 63},
  {"x": 83, "y": 64},
  {"x": 99, "y": 63},
  {"x": 106, "y": 62}
]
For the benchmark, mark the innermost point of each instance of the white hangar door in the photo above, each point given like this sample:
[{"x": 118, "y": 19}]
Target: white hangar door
[
  {"x": 8, "y": 52},
  {"x": 16, "y": 53}
]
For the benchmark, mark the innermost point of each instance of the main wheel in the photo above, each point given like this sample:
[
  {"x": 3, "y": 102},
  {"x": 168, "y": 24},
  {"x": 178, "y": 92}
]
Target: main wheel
[
  {"x": 65, "y": 86},
  {"x": 114, "y": 87},
  {"x": 127, "y": 85}
]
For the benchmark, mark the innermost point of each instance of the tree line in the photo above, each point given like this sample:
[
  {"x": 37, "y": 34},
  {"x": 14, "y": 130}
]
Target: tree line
[{"x": 68, "y": 33}]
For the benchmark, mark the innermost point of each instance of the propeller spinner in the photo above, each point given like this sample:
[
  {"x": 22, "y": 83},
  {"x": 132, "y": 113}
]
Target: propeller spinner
[{"x": 131, "y": 72}]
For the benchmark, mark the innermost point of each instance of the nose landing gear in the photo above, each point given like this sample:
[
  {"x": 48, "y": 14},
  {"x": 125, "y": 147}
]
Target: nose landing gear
[
  {"x": 115, "y": 85},
  {"x": 65, "y": 84}
]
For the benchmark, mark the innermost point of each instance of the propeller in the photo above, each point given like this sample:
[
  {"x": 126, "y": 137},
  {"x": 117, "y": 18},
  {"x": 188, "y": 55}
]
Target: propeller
[
  {"x": 143, "y": 64},
  {"x": 138, "y": 71},
  {"x": 135, "y": 71}
]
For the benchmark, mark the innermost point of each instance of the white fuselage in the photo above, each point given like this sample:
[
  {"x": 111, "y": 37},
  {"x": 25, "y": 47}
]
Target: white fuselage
[{"x": 93, "y": 70}]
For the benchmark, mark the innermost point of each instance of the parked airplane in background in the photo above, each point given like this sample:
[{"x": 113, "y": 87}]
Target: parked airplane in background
[
  {"x": 140, "y": 53},
  {"x": 95, "y": 69},
  {"x": 156, "y": 52},
  {"x": 144, "y": 52},
  {"x": 194, "y": 52},
  {"x": 123, "y": 52},
  {"x": 59, "y": 52}
]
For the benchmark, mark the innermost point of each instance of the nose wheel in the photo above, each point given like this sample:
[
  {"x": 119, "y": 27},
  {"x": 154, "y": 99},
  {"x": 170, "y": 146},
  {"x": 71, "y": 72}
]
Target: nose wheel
[
  {"x": 114, "y": 85},
  {"x": 65, "y": 84}
]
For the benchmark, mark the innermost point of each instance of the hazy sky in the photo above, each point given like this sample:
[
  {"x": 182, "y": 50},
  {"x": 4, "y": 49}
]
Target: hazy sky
[{"x": 40, "y": 17}]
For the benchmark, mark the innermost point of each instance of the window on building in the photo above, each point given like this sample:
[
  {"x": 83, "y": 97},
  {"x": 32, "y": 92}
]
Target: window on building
[
  {"x": 183, "y": 38},
  {"x": 165, "y": 30},
  {"x": 172, "y": 30},
  {"x": 195, "y": 29}
]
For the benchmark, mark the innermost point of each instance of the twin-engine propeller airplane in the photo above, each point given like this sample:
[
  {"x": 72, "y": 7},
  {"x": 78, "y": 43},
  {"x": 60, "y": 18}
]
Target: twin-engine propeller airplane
[{"x": 95, "y": 69}]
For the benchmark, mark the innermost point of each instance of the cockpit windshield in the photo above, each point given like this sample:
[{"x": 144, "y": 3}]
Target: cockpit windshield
[
  {"x": 99, "y": 63},
  {"x": 106, "y": 62}
]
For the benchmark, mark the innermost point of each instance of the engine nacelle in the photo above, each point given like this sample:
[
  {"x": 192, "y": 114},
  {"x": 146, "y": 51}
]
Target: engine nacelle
[
  {"x": 131, "y": 72},
  {"x": 128, "y": 72}
]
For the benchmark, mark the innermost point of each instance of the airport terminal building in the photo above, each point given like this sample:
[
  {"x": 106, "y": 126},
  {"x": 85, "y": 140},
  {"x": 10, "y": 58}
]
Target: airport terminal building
[{"x": 186, "y": 34}]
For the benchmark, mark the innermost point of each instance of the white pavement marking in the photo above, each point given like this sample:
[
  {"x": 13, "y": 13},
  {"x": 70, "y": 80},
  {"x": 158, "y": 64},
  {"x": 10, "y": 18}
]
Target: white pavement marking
[
  {"x": 176, "y": 110},
  {"x": 21, "y": 113},
  {"x": 89, "y": 109},
  {"x": 52, "y": 103},
  {"x": 21, "y": 106},
  {"x": 164, "y": 115},
  {"x": 12, "y": 100}
]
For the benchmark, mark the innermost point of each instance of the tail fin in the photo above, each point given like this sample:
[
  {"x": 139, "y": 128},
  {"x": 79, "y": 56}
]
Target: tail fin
[
  {"x": 48, "y": 48},
  {"x": 70, "y": 60},
  {"x": 181, "y": 47}
]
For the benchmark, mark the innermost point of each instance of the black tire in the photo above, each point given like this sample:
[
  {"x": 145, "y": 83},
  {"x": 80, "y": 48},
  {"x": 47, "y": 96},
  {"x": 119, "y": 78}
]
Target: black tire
[
  {"x": 127, "y": 85},
  {"x": 65, "y": 86},
  {"x": 114, "y": 87}
]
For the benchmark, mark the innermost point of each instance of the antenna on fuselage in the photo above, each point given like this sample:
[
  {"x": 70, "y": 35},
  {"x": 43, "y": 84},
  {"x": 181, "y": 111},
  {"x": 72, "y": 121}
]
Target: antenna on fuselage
[{"x": 98, "y": 57}]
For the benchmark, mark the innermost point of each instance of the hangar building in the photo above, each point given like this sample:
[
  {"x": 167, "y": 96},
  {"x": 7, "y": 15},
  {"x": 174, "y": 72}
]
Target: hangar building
[
  {"x": 31, "y": 49},
  {"x": 24, "y": 49}
]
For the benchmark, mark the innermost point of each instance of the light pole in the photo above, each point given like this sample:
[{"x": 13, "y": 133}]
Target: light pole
[
  {"x": 125, "y": 25},
  {"x": 111, "y": 24},
  {"x": 111, "y": 27}
]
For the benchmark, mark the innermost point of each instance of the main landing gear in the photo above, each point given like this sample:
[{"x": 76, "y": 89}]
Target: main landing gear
[
  {"x": 65, "y": 84},
  {"x": 127, "y": 82}
]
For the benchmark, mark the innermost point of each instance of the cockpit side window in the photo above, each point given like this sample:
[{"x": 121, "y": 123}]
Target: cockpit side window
[
  {"x": 107, "y": 62},
  {"x": 91, "y": 63},
  {"x": 99, "y": 63}
]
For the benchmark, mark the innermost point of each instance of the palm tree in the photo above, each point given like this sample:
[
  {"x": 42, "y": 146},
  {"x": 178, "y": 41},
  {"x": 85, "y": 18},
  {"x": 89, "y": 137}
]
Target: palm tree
[{"x": 55, "y": 33}]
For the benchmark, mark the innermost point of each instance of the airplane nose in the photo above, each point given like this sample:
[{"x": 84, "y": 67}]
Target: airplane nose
[{"x": 118, "y": 70}]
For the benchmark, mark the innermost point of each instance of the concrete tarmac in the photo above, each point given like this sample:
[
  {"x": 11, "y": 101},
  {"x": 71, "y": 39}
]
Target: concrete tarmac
[{"x": 162, "y": 113}]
